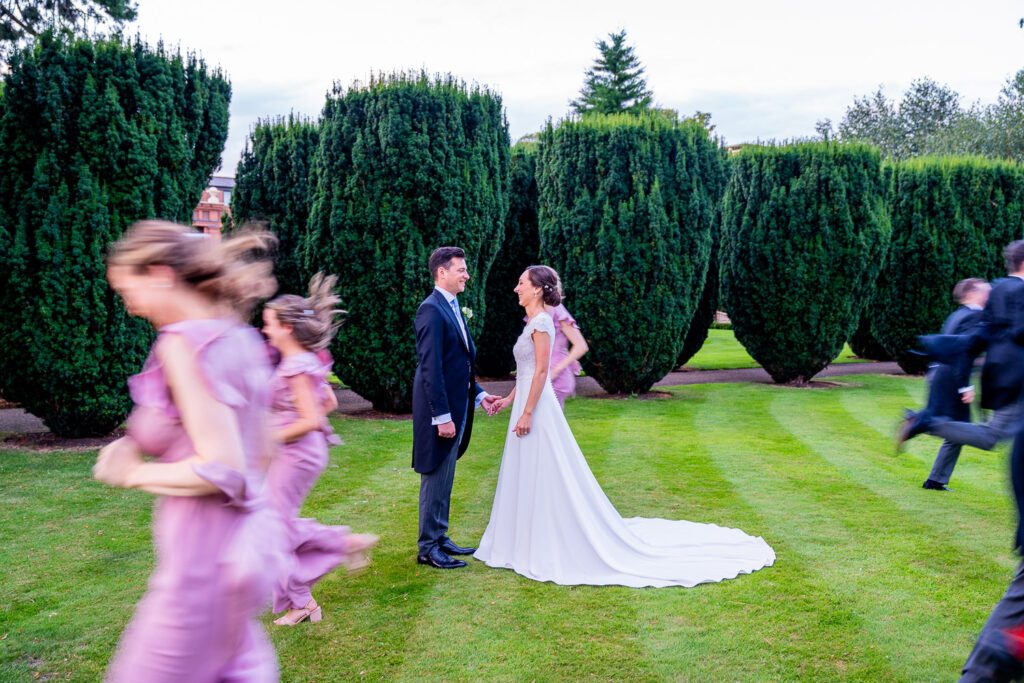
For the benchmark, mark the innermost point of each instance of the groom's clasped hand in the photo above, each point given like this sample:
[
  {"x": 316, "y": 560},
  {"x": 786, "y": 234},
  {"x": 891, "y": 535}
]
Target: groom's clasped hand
[{"x": 494, "y": 405}]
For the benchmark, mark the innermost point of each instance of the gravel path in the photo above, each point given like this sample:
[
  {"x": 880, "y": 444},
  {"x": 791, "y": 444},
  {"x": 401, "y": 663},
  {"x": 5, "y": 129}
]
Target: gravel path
[{"x": 17, "y": 421}]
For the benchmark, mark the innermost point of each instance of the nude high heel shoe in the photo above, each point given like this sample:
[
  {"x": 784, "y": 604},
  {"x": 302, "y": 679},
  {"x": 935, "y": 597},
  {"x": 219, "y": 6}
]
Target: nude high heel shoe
[{"x": 312, "y": 611}]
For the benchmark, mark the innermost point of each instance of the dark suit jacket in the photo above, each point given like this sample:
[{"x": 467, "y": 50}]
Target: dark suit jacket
[
  {"x": 1000, "y": 336},
  {"x": 445, "y": 382},
  {"x": 943, "y": 390}
]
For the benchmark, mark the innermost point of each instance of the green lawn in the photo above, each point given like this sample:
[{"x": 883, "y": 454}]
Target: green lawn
[
  {"x": 721, "y": 351},
  {"x": 876, "y": 579}
]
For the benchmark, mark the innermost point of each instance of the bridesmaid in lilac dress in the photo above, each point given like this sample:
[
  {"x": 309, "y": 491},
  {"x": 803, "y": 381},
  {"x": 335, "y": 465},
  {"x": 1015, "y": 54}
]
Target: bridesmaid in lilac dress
[
  {"x": 299, "y": 328},
  {"x": 569, "y": 345},
  {"x": 202, "y": 407}
]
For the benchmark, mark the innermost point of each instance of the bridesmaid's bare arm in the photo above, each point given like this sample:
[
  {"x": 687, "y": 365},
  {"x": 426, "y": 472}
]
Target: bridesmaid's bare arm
[
  {"x": 577, "y": 347},
  {"x": 309, "y": 412},
  {"x": 210, "y": 424},
  {"x": 331, "y": 402}
]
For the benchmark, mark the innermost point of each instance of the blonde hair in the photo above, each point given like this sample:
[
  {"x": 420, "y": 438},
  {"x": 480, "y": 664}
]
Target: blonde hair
[
  {"x": 313, "y": 319},
  {"x": 236, "y": 271}
]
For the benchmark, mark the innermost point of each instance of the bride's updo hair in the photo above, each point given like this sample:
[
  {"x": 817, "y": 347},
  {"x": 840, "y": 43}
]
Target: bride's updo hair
[
  {"x": 550, "y": 284},
  {"x": 236, "y": 271},
  {"x": 313, "y": 319}
]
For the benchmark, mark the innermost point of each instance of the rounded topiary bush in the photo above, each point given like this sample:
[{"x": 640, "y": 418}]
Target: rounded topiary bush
[
  {"x": 803, "y": 231},
  {"x": 273, "y": 186},
  {"x": 626, "y": 214},
  {"x": 93, "y": 136},
  {"x": 520, "y": 248},
  {"x": 951, "y": 219},
  {"x": 406, "y": 163},
  {"x": 704, "y": 316}
]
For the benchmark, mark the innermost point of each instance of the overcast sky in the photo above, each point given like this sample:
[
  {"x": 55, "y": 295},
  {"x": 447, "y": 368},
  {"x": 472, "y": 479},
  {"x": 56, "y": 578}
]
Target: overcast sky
[{"x": 763, "y": 69}]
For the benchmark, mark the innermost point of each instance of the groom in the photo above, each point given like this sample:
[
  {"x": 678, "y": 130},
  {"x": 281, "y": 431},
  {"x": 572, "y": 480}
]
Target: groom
[{"x": 443, "y": 397}]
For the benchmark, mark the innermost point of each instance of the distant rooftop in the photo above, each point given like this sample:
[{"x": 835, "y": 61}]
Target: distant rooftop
[{"x": 222, "y": 182}]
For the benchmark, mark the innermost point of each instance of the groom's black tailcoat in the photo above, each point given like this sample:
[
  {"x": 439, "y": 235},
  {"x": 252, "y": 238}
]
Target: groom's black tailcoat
[{"x": 445, "y": 382}]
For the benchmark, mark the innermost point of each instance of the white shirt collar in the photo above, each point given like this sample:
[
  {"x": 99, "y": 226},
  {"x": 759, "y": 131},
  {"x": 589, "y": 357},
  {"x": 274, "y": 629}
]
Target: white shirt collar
[
  {"x": 1018, "y": 276},
  {"x": 974, "y": 307},
  {"x": 448, "y": 296}
]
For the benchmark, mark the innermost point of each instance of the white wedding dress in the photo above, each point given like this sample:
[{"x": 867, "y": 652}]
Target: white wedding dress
[{"x": 552, "y": 522}]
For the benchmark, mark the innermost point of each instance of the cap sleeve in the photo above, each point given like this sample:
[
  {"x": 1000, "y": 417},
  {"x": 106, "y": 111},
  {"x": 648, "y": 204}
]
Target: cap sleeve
[{"x": 542, "y": 323}]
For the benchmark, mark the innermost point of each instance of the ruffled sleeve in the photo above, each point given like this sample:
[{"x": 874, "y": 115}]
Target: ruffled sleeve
[
  {"x": 562, "y": 315},
  {"x": 304, "y": 364},
  {"x": 149, "y": 387},
  {"x": 231, "y": 483}
]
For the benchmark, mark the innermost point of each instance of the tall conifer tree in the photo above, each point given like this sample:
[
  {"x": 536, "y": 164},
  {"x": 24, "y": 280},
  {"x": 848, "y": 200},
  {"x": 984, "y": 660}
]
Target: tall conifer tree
[{"x": 615, "y": 83}]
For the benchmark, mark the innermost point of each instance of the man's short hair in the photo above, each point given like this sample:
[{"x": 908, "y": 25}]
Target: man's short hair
[
  {"x": 965, "y": 288},
  {"x": 442, "y": 258},
  {"x": 1014, "y": 254}
]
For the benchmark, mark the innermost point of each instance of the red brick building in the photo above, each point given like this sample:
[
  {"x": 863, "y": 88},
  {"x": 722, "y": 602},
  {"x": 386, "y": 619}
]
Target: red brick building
[{"x": 214, "y": 205}]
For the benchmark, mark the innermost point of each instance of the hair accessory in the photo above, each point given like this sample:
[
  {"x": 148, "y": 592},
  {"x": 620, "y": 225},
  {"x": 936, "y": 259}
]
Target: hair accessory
[
  {"x": 194, "y": 235},
  {"x": 308, "y": 311}
]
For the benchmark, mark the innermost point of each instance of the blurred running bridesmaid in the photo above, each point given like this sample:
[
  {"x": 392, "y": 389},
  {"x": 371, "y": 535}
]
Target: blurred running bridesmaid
[
  {"x": 569, "y": 345},
  {"x": 299, "y": 328},
  {"x": 202, "y": 409}
]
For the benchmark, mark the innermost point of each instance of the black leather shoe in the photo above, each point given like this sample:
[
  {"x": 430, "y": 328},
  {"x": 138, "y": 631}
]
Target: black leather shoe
[
  {"x": 933, "y": 485},
  {"x": 436, "y": 558},
  {"x": 449, "y": 547}
]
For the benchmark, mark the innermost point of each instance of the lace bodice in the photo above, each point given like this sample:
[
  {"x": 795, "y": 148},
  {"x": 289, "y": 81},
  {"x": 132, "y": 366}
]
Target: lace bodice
[{"x": 526, "y": 356}]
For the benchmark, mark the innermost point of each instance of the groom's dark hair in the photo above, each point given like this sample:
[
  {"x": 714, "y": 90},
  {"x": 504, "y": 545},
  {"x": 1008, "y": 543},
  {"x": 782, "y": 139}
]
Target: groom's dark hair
[{"x": 442, "y": 258}]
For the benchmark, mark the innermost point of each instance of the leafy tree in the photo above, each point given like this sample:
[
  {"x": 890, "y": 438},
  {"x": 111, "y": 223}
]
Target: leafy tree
[
  {"x": 615, "y": 83},
  {"x": 24, "y": 19},
  {"x": 94, "y": 136},
  {"x": 520, "y": 248},
  {"x": 626, "y": 216},
  {"x": 272, "y": 186},
  {"x": 804, "y": 228},
  {"x": 927, "y": 110},
  {"x": 405, "y": 164}
]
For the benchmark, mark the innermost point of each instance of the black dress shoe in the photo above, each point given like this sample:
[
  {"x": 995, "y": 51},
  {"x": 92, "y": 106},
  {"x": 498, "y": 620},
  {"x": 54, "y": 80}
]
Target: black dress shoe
[
  {"x": 449, "y": 547},
  {"x": 436, "y": 558},
  {"x": 933, "y": 485}
]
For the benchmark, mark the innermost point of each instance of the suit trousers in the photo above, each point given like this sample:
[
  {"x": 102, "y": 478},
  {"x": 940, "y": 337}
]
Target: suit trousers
[
  {"x": 990, "y": 659},
  {"x": 1003, "y": 426},
  {"x": 436, "y": 498},
  {"x": 945, "y": 461}
]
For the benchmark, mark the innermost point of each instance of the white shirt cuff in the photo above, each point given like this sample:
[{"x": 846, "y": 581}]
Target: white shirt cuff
[
  {"x": 964, "y": 390},
  {"x": 480, "y": 398},
  {"x": 441, "y": 419}
]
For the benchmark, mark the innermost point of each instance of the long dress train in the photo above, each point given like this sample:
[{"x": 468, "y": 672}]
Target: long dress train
[{"x": 551, "y": 521}]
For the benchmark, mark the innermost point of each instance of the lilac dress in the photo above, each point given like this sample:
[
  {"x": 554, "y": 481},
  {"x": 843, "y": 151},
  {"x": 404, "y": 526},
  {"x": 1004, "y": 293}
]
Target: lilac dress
[
  {"x": 565, "y": 383},
  {"x": 316, "y": 548},
  {"x": 218, "y": 556}
]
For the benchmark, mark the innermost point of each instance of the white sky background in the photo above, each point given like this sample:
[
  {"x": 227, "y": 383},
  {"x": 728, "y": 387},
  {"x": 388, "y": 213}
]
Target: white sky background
[{"x": 763, "y": 69}]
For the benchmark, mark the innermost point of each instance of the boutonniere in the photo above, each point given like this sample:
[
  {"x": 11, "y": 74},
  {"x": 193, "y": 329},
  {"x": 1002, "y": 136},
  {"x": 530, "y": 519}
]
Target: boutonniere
[{"x": 467, "y": 312}]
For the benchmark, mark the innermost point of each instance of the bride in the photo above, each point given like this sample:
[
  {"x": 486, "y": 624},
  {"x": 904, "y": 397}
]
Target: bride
[{"x": 552, "y": 522}]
